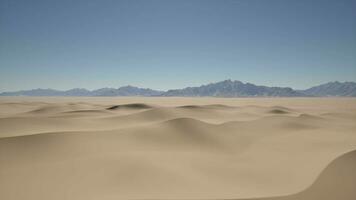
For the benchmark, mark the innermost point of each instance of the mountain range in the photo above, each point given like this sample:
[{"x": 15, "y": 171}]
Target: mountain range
[{"x": 226, "y": 88}]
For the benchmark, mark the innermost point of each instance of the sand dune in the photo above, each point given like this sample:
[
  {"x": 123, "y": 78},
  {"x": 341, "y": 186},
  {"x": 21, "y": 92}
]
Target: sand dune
[
  {"x": 337, "y": 181},
  {"x": 177, "y": 148}
]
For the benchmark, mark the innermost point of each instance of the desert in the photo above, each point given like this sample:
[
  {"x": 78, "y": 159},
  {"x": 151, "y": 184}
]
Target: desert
[
  {"x": 178, "y": 100},
  {"x": 177, "y": 148}
]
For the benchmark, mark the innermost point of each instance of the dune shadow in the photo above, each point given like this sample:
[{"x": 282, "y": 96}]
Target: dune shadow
[{"x": 130, "y": 106}]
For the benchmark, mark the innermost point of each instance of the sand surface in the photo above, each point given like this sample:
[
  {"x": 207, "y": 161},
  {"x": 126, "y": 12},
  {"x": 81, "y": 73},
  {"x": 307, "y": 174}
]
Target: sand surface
[{"x": 177, "y": 148}]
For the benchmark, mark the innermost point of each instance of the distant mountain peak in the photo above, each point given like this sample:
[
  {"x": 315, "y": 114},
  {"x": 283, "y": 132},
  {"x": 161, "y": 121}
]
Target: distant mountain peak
[{"x": 229, "y": 88}]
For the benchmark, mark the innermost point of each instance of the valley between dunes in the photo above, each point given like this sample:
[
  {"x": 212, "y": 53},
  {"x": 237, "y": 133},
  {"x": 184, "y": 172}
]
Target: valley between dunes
[{"x": 86, "y": 148}]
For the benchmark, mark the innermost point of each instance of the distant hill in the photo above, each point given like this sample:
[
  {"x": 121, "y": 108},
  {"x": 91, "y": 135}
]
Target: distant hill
[
  {"x": 226, "y": 88},
  {"x": 126, "y": 91},
  {"x": 34, "y": 92},
  {"x": 336, "y": 88},
  {"x": 122, "y": 91}
]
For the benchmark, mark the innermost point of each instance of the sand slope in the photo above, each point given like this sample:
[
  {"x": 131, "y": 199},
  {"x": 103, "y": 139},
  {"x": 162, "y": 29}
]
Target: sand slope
[
  {"x": 177, "y": 148},
  {"x": 337, "y": 181}
]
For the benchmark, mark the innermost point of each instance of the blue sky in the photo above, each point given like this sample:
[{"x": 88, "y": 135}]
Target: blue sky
[{"x": 166, "y": 44}]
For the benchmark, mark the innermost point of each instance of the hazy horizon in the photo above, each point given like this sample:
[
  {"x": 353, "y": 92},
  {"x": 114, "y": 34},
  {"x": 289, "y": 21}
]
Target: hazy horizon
[
  {"x": 144, "y": 87},
  {"x": 174, "y": 44}
]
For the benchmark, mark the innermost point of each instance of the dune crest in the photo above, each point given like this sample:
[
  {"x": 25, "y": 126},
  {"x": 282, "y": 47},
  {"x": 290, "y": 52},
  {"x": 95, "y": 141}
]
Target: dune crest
[{"x": 130, "y": 106}]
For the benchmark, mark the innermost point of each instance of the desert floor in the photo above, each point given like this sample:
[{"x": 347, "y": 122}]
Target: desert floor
[{"x": 177, "y": 148}]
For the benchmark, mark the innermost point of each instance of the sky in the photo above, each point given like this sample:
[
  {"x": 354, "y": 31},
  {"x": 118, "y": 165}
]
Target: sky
[{"x": 168, "y": 44}]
